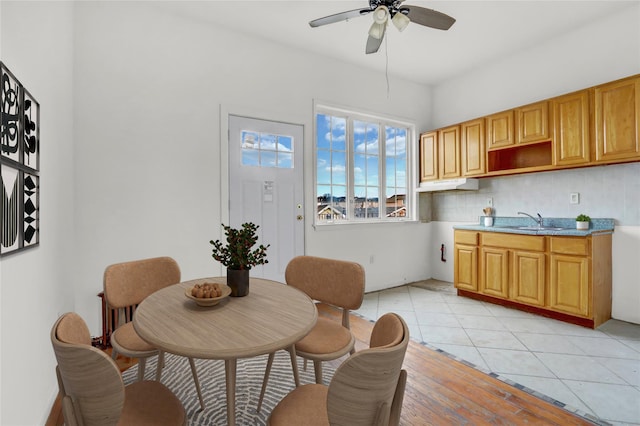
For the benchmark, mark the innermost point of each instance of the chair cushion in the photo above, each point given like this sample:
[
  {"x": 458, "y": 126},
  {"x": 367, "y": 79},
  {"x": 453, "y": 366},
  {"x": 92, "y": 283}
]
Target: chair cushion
[
  {"x": 305, "y": 405},
  {"x": 126, "y": 337},
  {"x": 326, "y": 337},
  {"x": 151, "y": 403}
]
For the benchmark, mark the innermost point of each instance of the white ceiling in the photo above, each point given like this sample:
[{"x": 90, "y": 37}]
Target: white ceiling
[{"x": 483, "y": 32}]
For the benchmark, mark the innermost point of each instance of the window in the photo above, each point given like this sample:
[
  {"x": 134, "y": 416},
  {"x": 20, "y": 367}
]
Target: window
[
  {"x": 266, "y": 150},
  {"x": 362, "y": 166}
]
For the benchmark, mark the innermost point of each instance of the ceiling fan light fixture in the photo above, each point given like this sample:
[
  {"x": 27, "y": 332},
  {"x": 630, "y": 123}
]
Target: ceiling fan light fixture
[
  {"x": 401, "y": 21},
  {"x": 380, "y": 15}
]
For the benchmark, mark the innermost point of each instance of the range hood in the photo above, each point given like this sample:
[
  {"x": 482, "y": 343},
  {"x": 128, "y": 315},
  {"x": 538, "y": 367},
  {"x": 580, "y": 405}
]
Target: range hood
[{"x": 468, "y": 184}]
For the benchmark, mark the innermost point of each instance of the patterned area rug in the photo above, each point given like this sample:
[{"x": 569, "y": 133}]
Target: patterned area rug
[{"x": 176, "y": 375}]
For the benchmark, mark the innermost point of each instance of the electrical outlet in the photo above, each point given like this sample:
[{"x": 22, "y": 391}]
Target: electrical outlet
[
  {"x": 490, "y": 202},
  {"x": 574, "y": 198},
  {"x": 371, "y": 259}
]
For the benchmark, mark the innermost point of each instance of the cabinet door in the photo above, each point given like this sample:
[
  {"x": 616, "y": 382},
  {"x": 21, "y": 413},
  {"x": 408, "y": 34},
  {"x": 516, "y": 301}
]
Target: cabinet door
[
  {"x": 499, "y": 129},
  {"x": 569, "y": 284},
  {"x": 449, "y": 152},
  {"x": 571, "y": 128},
  {"x": 532, "y": 123},
  {"x": 528, "y": 277},
  {"x": 617, "y": 116},
  {"x": 473, "y": 149},
  {"x": 465, "y": 273},
  {"x": 428, "y": 156},
  {"x": 494, "y": 272}
]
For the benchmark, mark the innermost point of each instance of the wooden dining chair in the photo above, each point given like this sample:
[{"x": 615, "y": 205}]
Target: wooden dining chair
[
  {"x": 126, "y": 285},
  {"x": 337, "y": 283},
  {"x": 92, "y": 389},
  {"x": 367, "y": 389}
]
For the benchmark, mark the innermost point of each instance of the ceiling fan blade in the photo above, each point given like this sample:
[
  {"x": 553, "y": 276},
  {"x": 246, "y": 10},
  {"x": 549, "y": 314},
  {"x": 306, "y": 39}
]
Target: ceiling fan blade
[
  {"x": 428, "y": 17},
  {"x": 373, "y": 44},
  {"x": 342, "y": 16}
]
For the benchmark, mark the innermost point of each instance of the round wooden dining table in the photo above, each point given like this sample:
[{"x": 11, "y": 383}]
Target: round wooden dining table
[{"x": 271, "y": 317}]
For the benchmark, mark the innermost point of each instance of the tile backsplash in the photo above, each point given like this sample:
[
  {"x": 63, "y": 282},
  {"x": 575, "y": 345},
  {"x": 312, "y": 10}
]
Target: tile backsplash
[{"x": 605, "y": 192}]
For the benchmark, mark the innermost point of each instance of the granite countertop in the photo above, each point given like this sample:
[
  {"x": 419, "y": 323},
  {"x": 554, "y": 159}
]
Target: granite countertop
[{"x": 551, "y": 226}]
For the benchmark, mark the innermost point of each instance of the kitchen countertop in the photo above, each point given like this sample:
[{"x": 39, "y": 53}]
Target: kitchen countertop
[{"x": 551, "y": 226}]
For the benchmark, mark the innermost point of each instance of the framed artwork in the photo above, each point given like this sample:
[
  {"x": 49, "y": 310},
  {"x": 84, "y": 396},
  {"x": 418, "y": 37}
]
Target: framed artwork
[
  {"x": 11, "y": 116},
  {"x": 19, "y": 165}
]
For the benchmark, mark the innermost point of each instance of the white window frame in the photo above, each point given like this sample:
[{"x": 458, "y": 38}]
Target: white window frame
[{"x": 351, "y": 115}]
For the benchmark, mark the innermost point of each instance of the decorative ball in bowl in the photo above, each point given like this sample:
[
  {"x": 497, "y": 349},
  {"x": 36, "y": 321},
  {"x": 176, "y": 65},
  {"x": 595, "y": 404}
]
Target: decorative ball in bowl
[{"x": 208, "y": 294}]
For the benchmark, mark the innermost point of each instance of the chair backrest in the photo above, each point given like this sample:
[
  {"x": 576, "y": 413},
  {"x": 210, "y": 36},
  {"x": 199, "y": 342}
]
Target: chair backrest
[
  {"x": 336, "y": 282},
  {"x": 363, "y": 388},
  {"x": 387, "y": 331},
  {"x": 90, "y": 382},
  {"x": 129, "y": 283}
]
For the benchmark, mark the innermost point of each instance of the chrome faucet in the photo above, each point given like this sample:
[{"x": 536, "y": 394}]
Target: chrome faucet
[{"x": 538, "y": 220}]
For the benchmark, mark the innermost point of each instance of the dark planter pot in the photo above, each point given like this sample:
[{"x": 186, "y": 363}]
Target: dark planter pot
[{"x": 238, "y": 281}]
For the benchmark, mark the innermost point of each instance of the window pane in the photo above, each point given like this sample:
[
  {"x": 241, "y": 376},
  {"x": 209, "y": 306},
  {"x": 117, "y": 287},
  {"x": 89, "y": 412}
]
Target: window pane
[
  {"x": 359, "y": 169},
  {"x": 285, "y": 160},
  {"x": 339, "y": 168},
  {"x": 323, "y": 168},
  {"x": 267, "y": 142},
  {"x": 372, "y": 170},
  {"x": 339, "y": 132},
  {"x": 323, "y": 131},
  {"x": 267, "y": 159},
  {"x": 285, "y": 143}
]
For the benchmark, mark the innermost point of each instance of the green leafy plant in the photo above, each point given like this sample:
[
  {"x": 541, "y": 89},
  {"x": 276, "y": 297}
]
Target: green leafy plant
[
  {"x": 238, "y": 253},
  {"x": 583, "y": 218}
]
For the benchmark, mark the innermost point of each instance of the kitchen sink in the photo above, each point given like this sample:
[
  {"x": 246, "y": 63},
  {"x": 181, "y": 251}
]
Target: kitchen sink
[{"x": 536, "y": 228}]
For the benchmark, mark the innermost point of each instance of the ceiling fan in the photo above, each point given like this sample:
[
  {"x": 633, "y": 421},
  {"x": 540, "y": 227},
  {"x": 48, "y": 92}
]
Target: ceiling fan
[{"x": 383, "y": 10}]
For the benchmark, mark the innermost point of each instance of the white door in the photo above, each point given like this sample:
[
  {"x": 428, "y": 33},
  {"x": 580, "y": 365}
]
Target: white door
[{"x": 266, "y": 188}]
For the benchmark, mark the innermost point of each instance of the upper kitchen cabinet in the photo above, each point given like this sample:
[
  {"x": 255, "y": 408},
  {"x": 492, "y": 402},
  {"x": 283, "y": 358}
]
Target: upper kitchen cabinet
[
  {"x": 616, "y": 120},
  {"x": 595, "y": 126},
  {"x": 499, "y": 130},
  {"x": 449, "y": 152},
  {"x": 571, "y": 128},
  {"x": 473, "y": 147},
  {"x": 428, "y": 156},
  {"x": 532, "y": 123}
]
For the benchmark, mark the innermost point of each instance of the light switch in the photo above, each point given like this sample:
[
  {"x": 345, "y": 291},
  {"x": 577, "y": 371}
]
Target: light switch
[{"x": 574, "y": 198}]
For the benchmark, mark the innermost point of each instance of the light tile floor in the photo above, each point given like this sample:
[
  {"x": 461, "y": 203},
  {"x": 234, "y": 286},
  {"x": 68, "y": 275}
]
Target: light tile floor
[{"x": 594, "y": 371}]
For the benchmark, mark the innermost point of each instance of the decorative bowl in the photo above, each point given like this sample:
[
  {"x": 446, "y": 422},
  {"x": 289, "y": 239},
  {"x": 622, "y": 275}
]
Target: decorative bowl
[{"x": 212, "y": 301}]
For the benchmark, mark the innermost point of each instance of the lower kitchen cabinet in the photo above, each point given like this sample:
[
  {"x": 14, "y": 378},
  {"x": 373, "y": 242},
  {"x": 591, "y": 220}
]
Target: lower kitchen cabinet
[
  {"x": 465, "y": 259},
  {"x": 562, "y": 277},
  {"x": 528, "y": 277},
  {"x": 569, "y": 289},
  {"x": 494, "y": 272}
]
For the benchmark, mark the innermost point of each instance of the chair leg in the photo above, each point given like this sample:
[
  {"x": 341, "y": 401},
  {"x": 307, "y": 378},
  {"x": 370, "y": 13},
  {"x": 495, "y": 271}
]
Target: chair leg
[
  {"x": 142, "y": 363},
  {"x": 317, "y": 366},
  {"x": 160, "y": 366},
  {"x": 267, "y": 371},
  {"x": 196, "y": 381}
]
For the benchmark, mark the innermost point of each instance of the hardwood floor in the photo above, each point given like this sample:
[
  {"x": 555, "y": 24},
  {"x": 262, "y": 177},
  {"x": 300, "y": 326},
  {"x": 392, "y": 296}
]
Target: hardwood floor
[{"x": 442, "y": 391}]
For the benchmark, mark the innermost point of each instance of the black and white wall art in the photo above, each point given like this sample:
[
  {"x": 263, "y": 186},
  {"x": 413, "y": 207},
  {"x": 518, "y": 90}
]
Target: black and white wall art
[{"x": 19, "y": 165}]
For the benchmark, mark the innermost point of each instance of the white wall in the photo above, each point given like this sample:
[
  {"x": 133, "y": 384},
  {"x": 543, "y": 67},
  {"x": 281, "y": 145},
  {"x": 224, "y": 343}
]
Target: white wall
[
  {"x": 149, "y": 87},
  {"x": 35, "y": 285},
  {"x": 598, "y": 53}
]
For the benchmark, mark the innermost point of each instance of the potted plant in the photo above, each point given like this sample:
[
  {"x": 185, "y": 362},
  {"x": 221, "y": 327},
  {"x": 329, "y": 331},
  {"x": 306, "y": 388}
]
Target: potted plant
[
  {"x": 582, "y": 221},
  {"x": 237, "y": 255},
  {"x": 488, "y": 218}
]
